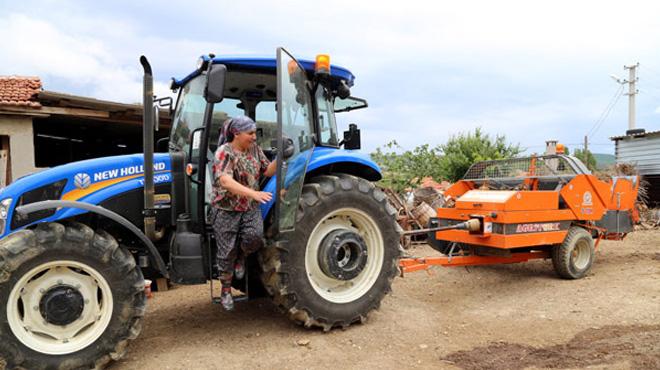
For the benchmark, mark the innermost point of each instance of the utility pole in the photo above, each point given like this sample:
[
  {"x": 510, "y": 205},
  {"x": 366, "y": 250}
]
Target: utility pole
[
  {"x": 632, "y": 91},
  {"x": 586, "y": 146}
]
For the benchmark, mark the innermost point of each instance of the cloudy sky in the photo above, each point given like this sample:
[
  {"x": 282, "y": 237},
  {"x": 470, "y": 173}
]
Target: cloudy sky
[{"x": 530, "y": 70}]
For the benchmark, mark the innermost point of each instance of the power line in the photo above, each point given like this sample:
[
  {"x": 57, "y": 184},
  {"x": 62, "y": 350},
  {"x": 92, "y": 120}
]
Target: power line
[{"x": 606, "y": 112}]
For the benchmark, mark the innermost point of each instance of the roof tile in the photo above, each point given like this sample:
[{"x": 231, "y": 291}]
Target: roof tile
[{"x": 19, "y": 91}]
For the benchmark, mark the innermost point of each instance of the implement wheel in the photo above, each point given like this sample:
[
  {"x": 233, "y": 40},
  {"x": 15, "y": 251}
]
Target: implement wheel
[
  {"x": 73, "y": 298},
  {"x": 339, "y": 262},
  {"x": 573, "y": 258}
]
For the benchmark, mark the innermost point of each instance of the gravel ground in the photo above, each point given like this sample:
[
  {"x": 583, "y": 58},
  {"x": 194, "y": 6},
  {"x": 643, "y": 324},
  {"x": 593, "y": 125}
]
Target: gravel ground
[{"x": 499, "y": 317}]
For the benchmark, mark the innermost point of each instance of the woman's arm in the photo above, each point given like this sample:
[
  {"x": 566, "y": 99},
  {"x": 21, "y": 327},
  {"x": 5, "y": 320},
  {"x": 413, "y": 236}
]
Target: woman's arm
[
  {"x": 234, "y": 187},
  {"x": 270, "y": 170}
]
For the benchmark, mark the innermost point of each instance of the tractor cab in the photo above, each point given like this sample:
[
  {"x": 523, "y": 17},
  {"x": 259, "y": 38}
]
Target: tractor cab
[{"x": 311, "y": 93}]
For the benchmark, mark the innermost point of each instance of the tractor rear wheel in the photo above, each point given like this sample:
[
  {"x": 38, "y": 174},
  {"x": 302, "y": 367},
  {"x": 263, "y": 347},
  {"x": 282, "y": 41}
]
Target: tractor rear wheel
[
  {"x": 74, "y": 298},
  {"x": 339, "y": 262},
  {"x": 573, "y": 258}
]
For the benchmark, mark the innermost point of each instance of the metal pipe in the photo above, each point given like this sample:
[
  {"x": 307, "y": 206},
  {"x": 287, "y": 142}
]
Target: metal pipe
[
  {"x": 470, "y": 225},
  {"x": 148, "y": 148}
]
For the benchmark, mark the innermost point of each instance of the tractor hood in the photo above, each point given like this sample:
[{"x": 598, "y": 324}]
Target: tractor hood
[{"x": 90, "y": 181}]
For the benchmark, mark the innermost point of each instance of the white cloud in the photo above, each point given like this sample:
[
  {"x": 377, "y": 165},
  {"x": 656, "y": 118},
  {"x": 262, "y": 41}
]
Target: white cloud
[
  {"x": 100, "y": 60},
  {"x": 530, "y": 70}
]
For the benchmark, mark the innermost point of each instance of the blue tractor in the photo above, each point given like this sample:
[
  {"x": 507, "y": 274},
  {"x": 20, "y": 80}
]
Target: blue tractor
[{"x": 76, "y": 241}]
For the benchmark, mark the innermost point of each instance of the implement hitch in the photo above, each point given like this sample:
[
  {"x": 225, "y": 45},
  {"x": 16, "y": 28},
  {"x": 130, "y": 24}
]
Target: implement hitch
[
  {"x": 424, "y": 263},
  {"x": 470, "y": 225}
]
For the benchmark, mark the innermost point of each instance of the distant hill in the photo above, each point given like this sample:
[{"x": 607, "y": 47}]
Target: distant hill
[{"x": 604, "y": 160}]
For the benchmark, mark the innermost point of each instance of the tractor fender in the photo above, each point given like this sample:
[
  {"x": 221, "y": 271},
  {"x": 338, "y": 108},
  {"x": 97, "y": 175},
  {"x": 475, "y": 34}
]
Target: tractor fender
[
  {"x": 331, "y": 160},
  {"x": 345, "y": 161},
  {"x": 50, "y": 204}
]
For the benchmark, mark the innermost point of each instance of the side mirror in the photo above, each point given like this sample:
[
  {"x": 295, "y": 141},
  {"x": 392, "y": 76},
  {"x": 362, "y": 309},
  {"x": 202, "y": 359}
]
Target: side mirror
[
  {"x": 343, "y": 91},
  {"x": 289, "y": 147},
  {"x": 351, "y": 137},
  {"x": 215, "y": 83}
]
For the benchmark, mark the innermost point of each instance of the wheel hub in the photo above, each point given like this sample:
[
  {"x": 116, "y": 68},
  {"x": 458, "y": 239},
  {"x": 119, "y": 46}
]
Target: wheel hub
[
  {"x": 61, "y": 305},
  {"x": 342, "y": 254}
]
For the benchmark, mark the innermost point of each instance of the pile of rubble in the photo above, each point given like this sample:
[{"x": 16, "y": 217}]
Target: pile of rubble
[
  {"x": 416, "y": 207},
  {"x": 649, "y": 217}
]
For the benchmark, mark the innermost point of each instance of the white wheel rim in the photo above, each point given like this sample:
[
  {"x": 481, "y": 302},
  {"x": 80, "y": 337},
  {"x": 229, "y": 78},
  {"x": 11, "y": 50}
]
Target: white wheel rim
[
  {"x": 30, "y": 327},
  {"x": 345, "y": 291},
  {"x": 581, "y": 254}
]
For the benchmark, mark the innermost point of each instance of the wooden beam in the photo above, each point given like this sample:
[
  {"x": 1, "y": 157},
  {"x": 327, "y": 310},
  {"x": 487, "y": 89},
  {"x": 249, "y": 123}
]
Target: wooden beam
[
  {"x": 59, "y": 110},
  {"x": 20, "y": 113}
]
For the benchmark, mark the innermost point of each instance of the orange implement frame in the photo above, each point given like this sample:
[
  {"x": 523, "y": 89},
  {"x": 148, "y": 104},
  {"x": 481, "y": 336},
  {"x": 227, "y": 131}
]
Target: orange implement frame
[{"x": 424, "y": 263}]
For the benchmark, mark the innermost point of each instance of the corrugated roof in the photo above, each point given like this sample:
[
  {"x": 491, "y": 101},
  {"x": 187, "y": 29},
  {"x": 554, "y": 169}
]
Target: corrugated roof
[
  {"x": 19, "y": 91},
  {"x": 635, "y": 135}
]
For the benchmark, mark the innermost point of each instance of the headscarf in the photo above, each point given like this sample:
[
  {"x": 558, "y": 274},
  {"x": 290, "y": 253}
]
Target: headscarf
[{"x": 234, "y": 126}]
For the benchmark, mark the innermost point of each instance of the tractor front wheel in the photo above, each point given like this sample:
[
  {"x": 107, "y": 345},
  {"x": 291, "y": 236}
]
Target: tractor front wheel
[
  {"x": 339, "y": 262},
  {"x": 573, "y": 258},
  {"x": 74, "y": 298}
]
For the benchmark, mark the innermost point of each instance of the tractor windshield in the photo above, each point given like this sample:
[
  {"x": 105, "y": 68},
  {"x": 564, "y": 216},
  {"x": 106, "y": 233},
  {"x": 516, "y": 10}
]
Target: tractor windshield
[{"x": 189, "y": 114}]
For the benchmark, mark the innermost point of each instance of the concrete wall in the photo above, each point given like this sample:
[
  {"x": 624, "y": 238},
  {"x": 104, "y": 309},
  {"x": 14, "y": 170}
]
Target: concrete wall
[{"x": 21, "y": 144}]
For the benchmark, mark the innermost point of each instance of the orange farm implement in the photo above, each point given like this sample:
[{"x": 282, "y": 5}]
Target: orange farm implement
[{"x": 514, "y": 210}]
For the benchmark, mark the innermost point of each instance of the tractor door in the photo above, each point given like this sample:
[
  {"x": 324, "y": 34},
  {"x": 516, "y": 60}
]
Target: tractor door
[{"x": 295, "y": 122}]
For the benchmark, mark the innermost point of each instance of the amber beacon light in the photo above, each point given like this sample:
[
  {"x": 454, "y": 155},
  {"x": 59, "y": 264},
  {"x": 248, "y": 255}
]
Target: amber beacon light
[{"x": 322, "y": 64}]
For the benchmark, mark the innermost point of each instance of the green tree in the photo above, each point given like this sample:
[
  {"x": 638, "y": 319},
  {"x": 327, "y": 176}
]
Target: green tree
[
  {"x": 464, "y": 149},
  {"x": 587, "y": 158},
  {"x": 403, "y": 169},
  {"x": 450, "y": 161}
]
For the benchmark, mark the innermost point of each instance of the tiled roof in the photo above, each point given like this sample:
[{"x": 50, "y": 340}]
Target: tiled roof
[{"x": 19, "y": 91}]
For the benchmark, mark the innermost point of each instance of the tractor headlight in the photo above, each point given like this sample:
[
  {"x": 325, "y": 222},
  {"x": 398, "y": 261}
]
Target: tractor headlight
[{"x": 4, "y": 212}]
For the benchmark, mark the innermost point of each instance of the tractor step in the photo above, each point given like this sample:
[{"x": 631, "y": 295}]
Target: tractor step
[{"x": 237, "y": 298}]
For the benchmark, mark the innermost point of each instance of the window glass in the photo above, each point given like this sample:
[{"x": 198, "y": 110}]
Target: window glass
[
  {"x": 189, "y": 114},
  {"x": 327, "y": 124},
  {"x": 294, "y": 113},
  {"x": 266, "y": 118}
]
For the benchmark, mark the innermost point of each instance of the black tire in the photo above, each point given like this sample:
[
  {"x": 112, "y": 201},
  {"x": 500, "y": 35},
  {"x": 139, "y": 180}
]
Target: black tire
[
  {"x": 572, "y": 259},
  {"x": 285, "y": 274},
  {"x": 111, "y": 267}
]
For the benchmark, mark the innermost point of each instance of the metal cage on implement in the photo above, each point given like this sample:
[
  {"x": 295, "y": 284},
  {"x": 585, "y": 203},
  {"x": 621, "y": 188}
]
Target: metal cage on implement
[{"x": 514, "y": 210}]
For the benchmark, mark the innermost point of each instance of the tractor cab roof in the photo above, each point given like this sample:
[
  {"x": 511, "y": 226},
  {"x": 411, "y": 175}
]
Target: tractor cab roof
[{"x": 268, "y": 65}]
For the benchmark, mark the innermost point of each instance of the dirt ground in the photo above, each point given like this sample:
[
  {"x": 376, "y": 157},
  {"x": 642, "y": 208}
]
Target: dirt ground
[{"x": 498, "y": 317}]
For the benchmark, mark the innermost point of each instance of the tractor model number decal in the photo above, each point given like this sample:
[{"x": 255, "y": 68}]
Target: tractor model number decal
[
  {"x": 535, "y": 228},
  {"x": 158, "y": 178}
]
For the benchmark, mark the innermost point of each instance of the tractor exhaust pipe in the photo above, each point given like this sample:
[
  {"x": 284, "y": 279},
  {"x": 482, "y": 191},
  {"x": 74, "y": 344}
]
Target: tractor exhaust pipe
[{"x": 148, "y": 147}]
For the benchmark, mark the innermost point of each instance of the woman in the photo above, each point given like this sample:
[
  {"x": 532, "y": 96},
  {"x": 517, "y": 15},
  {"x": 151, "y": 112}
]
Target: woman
[{"x": 238, "y": 165}]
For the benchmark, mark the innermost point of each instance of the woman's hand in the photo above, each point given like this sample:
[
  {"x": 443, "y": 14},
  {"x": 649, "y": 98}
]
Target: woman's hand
[{"x": 262, "y": 196}]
